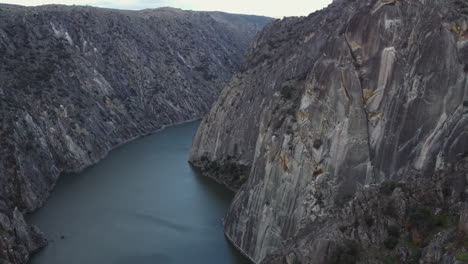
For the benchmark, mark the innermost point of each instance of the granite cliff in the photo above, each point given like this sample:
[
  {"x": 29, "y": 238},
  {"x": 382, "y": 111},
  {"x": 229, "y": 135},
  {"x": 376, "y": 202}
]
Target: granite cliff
[
  {"x": 346, "y": 136},
  {"x": 76, "y": 82}
]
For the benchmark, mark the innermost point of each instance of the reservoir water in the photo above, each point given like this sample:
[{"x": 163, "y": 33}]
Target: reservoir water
[{"x": 142, "y": 204}]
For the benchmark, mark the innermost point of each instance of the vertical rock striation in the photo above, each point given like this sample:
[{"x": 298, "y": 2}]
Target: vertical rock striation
[
  {"x": 77, "y": 81},
  {"x": 351, "y": 125}
]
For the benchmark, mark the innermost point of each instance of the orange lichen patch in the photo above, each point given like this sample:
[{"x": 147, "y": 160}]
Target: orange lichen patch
[
  {"x": 374, "y": 115},
  {"x": 459, "y": 29},
  {"x": 367, "y": 94},
  {"x": 383, "y": 3},
  {"x": 284, "y": 161},
  {"x": 455, "y": 29},
  {"x": 355, "y": 46},
  {"x": 302, "y": 116},
  {"x": 309, "y": 37}
]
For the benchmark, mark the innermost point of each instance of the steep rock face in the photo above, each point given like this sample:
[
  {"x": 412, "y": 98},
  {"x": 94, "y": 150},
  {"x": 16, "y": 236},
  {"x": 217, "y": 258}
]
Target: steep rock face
[
  {"x": 77, "y": 81},
  {"x": 353, "y": 125}
]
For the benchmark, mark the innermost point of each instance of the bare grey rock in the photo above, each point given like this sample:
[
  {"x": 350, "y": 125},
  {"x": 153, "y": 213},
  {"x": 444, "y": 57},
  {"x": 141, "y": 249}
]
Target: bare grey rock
[
  {"x": 76, "y": 82},
  {"x": 353, "y": 123}
]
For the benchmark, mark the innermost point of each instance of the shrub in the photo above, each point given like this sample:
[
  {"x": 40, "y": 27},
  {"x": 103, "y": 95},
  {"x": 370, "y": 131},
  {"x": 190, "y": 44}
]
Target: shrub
[
  {"x": 348, "y": 253},
  {"x": 342, "y": 199},
  {"x": 317, "y": 143},
  {"x": 4, "y": 261},
  {"x": 279, "y": 123},
  {"x": 445, "y": 221},
  {"x": 393, "y": 231},
  {"x": 242, "y": 178},
  {"x": 415, "y": 254},
  {"x": 422, "y": 217},
  {"x": 318, "y": 171},
  {"x": 460, "y": 3},
  {"x": 387, "y": 187},
  {"x": 369, "y": 220},
  {"x": 389, "y": 209},
  {"x": 291, "y": 112},
  {"x": 388, "y": 260},
  {"x": 390, "y": 242},
  {"x": 462, "y": 256},
  {"x": 286, "y": 92}
]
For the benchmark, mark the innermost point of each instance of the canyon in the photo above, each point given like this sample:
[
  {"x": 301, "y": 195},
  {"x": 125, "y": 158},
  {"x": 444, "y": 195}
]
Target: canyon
[
  {"x": 78, "y": 81},
  {"x": 343, "y": 133}
]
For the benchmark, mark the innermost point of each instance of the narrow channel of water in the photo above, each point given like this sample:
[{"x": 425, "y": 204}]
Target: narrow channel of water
[{"x": 142, "y": 204}]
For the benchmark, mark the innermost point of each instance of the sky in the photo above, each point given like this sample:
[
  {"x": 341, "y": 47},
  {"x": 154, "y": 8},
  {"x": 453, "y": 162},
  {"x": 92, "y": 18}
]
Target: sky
[{"x": 277, "y": 9}]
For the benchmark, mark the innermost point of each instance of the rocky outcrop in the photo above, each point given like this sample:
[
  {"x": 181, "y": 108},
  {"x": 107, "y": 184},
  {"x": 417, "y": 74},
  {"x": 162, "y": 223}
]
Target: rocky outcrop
[
  {"x": 77, "y": 81},
  {"x": 353, "y": 124}
]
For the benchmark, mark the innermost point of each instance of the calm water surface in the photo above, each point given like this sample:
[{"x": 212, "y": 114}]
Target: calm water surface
[{"x": 143, "y": 204}]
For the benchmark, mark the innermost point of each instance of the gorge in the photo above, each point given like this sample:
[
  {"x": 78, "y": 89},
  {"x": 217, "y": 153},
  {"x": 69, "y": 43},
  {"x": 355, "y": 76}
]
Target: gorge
[{"x": 344, "y": 133}]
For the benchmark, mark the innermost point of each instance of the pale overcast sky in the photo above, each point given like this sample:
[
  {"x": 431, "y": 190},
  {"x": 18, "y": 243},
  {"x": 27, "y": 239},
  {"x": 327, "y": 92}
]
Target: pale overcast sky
[{"x": 271, "y": 8}]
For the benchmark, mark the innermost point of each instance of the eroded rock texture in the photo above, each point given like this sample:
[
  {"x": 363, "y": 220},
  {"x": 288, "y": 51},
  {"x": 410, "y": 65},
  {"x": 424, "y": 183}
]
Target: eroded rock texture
[
  {"x": 77, "y": 81},
  {"x": 353, "y": 124}
]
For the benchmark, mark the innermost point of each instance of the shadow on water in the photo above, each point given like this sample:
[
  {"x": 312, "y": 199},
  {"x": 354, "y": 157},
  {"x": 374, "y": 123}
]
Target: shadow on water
[
  {"x": 223, "y": 194},
  {"x": 142, "y": 204},
  {"x": 226, "y": 196}
]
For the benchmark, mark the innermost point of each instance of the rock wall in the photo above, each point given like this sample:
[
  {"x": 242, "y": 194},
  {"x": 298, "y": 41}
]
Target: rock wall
[
  {"x": 353, "y": 125},
  {"x": 77, "y": 81}
]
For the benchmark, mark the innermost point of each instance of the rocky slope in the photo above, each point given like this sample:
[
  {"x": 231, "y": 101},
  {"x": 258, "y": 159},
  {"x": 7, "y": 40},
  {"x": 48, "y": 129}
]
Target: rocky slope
[
  {"x": 348, "y": 132},
  {"x": 77, "y": 81}
]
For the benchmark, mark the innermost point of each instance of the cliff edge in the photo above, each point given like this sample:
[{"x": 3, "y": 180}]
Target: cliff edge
[{"x": 346, "y": 136}]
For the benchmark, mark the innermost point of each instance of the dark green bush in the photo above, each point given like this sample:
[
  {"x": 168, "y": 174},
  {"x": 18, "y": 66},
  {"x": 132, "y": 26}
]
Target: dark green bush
[
  {"x": 348, "y": 253},
  {"x": 317, "y": 143},
  {"x": 462, "y": 256},
  {"x": 422, "y": 217},
  {"x": 390, "y": 242},
  {"x": 387, "y": 187},
  {"x": 389, "y": 209},
  {"x": 286, "y": 92},
  {"x": 342, "y": 199},
  {"x": 393, "y": 231},
  {"x": 369, "y": 220}
]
